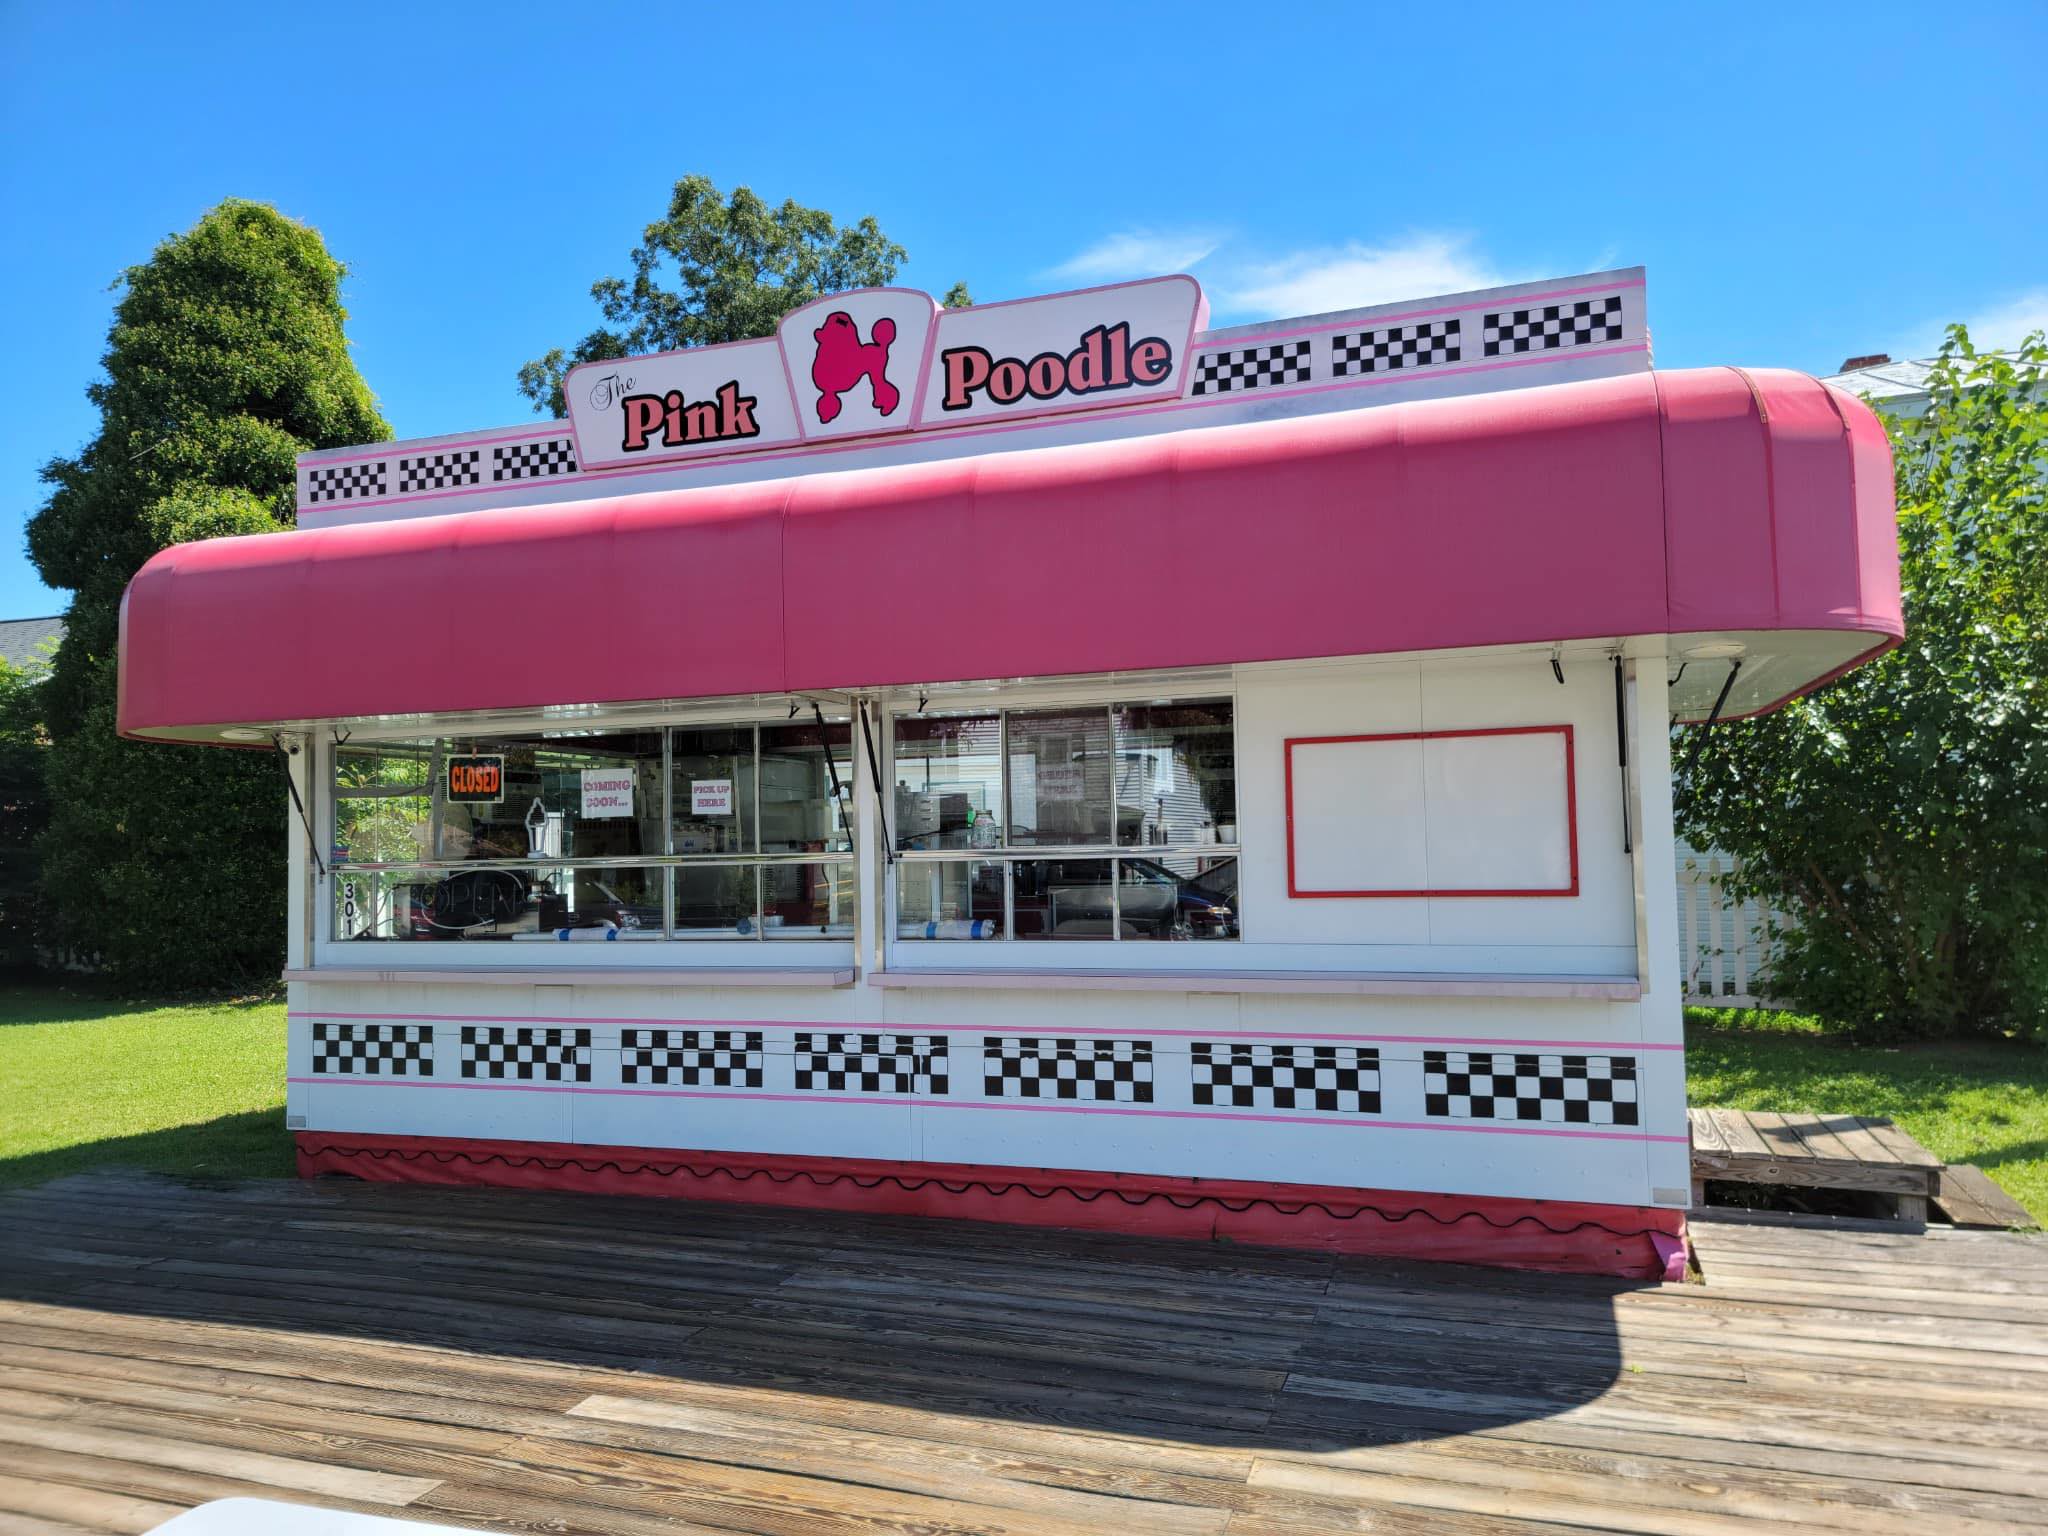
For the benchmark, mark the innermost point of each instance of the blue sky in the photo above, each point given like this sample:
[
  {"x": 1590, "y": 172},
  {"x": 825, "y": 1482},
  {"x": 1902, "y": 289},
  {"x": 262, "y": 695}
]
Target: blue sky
[{"x": 1803, "y": 182}]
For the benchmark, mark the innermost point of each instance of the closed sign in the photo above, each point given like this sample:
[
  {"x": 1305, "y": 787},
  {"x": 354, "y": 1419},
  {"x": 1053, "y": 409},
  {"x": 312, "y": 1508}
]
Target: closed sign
[{"x": 476, "y": 780}]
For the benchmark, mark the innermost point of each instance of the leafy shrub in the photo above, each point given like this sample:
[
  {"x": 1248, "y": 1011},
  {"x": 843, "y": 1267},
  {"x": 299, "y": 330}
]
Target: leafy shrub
[{"x": 1900, "y": 816}]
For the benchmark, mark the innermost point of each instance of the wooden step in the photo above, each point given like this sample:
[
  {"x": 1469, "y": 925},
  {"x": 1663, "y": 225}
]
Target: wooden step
[
  {"x": 1849, "y": 1152},
  {"x": 1969, "y": 1198}
]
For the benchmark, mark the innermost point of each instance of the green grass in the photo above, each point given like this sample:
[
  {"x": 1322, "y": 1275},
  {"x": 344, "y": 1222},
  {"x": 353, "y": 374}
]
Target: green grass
[
  {"x": 1984, "y": 1103},
  {"x": 85, "y": 1082},
  {"x": 199, "y": 1089}
]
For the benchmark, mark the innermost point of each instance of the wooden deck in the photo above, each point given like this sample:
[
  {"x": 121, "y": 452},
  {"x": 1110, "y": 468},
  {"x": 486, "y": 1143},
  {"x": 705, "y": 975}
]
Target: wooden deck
[{"x": 571, "y": 1364}]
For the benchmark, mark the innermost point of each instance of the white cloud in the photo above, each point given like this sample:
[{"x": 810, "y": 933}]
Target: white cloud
[
  {"x": 1138, "y": 253},
  {"x": 2008, "y": 324},
  {"x": 1999, "y": 328},
  {"x": 1355, "y": 275}
]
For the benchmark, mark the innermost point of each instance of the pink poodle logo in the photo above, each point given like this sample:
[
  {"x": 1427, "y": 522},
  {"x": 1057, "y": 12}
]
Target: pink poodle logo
[{"x": 843, "y": 360}]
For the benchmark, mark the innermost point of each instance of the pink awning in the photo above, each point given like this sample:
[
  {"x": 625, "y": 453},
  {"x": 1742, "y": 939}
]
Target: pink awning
[{"x": 1702, "y": 502}]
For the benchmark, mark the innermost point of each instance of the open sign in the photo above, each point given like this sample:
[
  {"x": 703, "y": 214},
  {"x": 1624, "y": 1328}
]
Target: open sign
[{"x": 476, "y": 780}]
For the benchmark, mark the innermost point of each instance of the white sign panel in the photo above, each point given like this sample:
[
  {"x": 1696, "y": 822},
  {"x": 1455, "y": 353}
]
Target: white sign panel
[
  {"x": 607, "y": 792},
  {"x": 676, "y": 405},
  {"x": 1457, "y": 813},
  {"x": 855, "y": 360},
  {"x": 1063, "y": 782},
  {"x": 1117, "y": 345},
  {"x": 711, "y": 797}
]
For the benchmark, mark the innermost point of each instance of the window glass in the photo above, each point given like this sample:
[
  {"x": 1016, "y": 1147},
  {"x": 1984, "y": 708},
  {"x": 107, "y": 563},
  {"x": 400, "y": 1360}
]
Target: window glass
[
  {"x": 565, "y": 796},
  {"x": 714, "y": 791},
  {"x": 383, "y": 802},
  {"x": 801, "y": 812},
  {"x": 1177, "y": 896},
  {"x": 1064, "y": 898},
  {"x": 531, "y": 905},
  {"x": 806, "y": 901},
  {"x": 949, "y": 782},
  {"x": 949, "y": 899},
  {"x": 1176, "y": 775},
  {"x": 717, "y": 901},
  {"x": 1060, "y": 778}
]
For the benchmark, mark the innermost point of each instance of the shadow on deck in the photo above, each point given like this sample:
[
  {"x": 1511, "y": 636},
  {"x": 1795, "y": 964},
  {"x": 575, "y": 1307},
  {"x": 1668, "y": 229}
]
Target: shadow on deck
[{"x": 1202, "y": 1344}]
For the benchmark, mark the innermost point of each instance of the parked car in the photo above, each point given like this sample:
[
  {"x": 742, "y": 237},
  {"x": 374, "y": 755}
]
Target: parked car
[
  {"x": 1072, "y": 898},
  {"x": 497, "y": 903}
]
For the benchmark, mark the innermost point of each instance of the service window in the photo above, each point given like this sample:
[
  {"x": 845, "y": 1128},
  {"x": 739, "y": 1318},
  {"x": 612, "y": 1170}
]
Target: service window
[
  {"x": 1096, "y": 823},
  {"x": 731, "y": 832}
]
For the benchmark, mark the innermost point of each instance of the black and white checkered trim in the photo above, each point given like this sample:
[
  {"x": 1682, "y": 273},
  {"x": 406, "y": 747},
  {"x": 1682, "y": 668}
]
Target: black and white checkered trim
[
  {"x": 871, "y": 1063},
  {"x": 551, "y": 1055},
  {"x": 1552, "y": 326},
  {"x": 1245, "y": 1075},
  {"x": 534, "y": 461},
  {"x": 1504, "y": 1085},
  {"x": 1281, "y": 362},
  {"x": 1038, "y": 1067},
  {"x": 1396, "y": 347},
  {"x": 441, "y": 471},
  {"x": 374, "y": 1050},
  {"x": 691, "y": 1058},
  {"x": 346, "y": 482}
]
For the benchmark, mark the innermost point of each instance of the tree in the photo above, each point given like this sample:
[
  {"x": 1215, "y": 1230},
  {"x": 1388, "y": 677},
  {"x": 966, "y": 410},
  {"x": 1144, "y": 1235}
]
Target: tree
[
  {"x": 226, "y": 359},
  {"x": 1900, "y": 816},
  {"x": 24, "y": 810},
  {"x": 714, "y": 269}
]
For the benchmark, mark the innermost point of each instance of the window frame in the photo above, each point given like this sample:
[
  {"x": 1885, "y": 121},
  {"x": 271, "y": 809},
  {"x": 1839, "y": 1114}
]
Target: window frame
[{"x": 1007, "y": 951}]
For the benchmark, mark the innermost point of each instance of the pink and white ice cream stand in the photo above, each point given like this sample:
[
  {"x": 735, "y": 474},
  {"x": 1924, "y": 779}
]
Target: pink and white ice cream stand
[{"x": 1050, "y": 762}]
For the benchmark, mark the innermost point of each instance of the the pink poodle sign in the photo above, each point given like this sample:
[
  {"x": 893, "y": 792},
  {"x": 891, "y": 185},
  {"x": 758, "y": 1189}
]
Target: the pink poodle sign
[{"x": 885, "y": 360}]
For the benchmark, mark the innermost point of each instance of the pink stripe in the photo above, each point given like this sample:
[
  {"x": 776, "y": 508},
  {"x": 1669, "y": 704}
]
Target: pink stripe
[
  {"x": 984, "y": 1029},
  {"x": 1042, "y": 1109},
  {"x": 1374, "y": 322},
  {"x": 1207, "y": 402}
]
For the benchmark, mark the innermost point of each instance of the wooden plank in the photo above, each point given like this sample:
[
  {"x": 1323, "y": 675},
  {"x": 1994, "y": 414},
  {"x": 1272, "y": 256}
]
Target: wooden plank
[
  {"x": 1775, "y": 1132},
  {"x": 1904, "y": 1147},
  {"x": 1969, "y": 1198},
  {"x": 1706, "y": 1134},
  {"x": 288, "y": 1473},
  {"x": 1739, "y": 1135},
  {"x": 33, "y": 1525},
  {"x": 30, "y": 1497},
  {"x": 1858, "y": 1142},
  {"x": 1823, "y": 1143},
  {"x": 1557, "y": 1505}
]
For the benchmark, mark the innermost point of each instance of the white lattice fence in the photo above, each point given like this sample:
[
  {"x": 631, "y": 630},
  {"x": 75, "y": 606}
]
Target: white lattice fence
[{"x": 1724, "y": 947}]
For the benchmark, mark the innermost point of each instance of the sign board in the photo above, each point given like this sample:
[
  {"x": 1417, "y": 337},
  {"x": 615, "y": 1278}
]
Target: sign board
[
  {"x": 679, "y": 405},
  {"x": 888, "y": 360},
  {"x": 711, "y": 797},
  {"x": 1067, "y": 352},
  {"x": 855, "y": 360},
  {"x": 1065, "y": 783},
  {"x": 607, "y": 792},
  {"x": 476, "y": 780}
]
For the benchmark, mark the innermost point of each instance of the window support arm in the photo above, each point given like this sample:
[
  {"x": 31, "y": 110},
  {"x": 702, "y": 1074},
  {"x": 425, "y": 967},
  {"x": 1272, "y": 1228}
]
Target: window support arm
[
  {"x": 292, "y": 784},
  {"x": 867, "y": 736}
]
